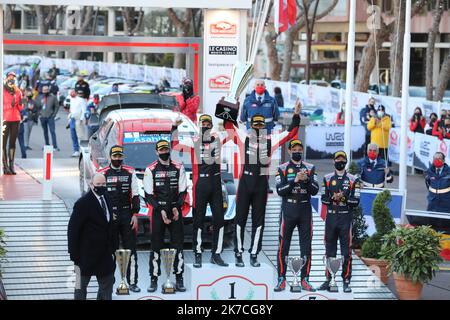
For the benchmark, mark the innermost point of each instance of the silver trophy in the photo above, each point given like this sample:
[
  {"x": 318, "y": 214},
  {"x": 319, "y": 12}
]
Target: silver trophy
[
  {"x": 296, "y": 264},
  {"x": 333, "y": 265},
  {"x": 168, "y": 258},
  {"x": 123, "y": 258},
  {"x": 228, "y": 107}
]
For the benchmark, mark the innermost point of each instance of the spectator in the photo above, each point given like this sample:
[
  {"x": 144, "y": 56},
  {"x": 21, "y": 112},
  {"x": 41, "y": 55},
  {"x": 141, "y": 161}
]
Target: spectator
[
  {"x": 48, "y": 107},
  {"x": 441, "y": 128},
  {"x": 92, "y": 115},
  {"x": 379, "y": 127},
  {"x": 78, "y": 107},
  {"x": 53, "y": 72},
  {"x": 278, "y": 97},
  {"x": 417, "y": 122},
  {"x": 71, "y": 126},
  {"x": 437, "y": 180},
  {"x": 12, "y": 106},
  {"x": 340, "y": 118},
  {"x": 188, "y": 101},
  {"x": 90, "y": 240},
  {"x": 260, "y": 102},
  {"x": 364, "y": 117},
  {"x": 46, "y": 81},
  {"x": 373, "y": 170},
  {"x": 430, "y": 125},
  {"x": 21, "y": 135},
  {"x": 24, "y": 82},
  {"x": 82, "y": 86},
  {"x": 32, "y": 116},
  {"x": 115, "y": 88}
]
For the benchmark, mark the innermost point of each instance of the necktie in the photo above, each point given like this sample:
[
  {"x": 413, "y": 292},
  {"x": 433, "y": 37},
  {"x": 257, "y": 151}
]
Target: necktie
[
  {"x": 105, "y": 212},
  {"x": 259, "y": 100}
]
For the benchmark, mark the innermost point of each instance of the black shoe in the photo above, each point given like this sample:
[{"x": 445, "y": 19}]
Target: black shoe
[
  {"x": 134, "y": 288},
  {"x": 281, "y": 285},
  {"x": 29, "y": 148},
  {"x": 254, "y": 261},
  {"x": 153, "y": 285},
  {"x": 347, "y": 288},
  {"x": 269, "y": 190},
  {"x": 217, "y": 259},
  {"x": 239, "y": 261},
  {"x": 198, "y": 260},
  {"x": 325, "y": 286},
  {"x": 11, "y": 168},
  {"x": 179, "y": 285}
]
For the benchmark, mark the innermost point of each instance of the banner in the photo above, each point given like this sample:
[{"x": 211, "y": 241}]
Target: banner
[
  {"x": 323, "y": 141},
  {"x": 425, "y": 147},
  {"x": 394, "y": 146}
]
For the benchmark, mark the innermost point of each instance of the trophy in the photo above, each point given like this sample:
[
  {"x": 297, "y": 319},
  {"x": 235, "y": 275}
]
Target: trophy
[
  {"x": 333, "y": 265},
  {"x": 122, "y": 258},
  {"x": 168, "y": 257},
  {"x": 228, "y": 107},
  {"x": 296, "y": 264}
]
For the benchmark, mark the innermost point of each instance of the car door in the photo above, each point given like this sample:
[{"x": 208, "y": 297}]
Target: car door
[{"x": 97, "y": 142}]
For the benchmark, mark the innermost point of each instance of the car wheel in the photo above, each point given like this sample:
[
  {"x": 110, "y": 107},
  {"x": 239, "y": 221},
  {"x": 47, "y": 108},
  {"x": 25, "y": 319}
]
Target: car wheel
[{"x": 82, "y": 178}]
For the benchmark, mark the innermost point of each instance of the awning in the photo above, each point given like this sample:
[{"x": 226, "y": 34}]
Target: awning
[{"x": 329, "y": 47}]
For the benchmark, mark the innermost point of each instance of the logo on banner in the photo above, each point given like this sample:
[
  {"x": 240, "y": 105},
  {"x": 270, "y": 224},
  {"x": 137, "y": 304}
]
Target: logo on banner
[
  {"x": 443, "y": 147},
  {"x": 223, "y": 27},
  {"x": 355, "y": 101},
  {"x": 398, "y": 107},
  {"x": 233, "y": 287},
  {"x": 223, "y": 50},
  {"x": 394, "y": 138},
  {"x": 220, "y": 82},
  {"x": 334, "y": 139}
]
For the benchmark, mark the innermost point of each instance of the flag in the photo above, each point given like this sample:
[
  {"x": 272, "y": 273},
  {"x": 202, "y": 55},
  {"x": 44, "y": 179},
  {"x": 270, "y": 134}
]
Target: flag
[{"x": 285, "y": 14}]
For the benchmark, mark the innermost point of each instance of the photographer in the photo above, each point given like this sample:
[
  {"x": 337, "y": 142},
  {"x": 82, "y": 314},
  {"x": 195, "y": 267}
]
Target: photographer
[{"x": 417, "y": 122}]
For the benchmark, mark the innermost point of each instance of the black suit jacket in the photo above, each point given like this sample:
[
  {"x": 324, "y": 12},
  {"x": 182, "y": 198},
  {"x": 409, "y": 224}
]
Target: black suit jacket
[{"x": 91, "y": 237}]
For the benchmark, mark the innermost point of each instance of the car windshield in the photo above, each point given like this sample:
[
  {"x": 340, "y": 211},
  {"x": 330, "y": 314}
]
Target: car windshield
[{"x": 140, "y": 151}]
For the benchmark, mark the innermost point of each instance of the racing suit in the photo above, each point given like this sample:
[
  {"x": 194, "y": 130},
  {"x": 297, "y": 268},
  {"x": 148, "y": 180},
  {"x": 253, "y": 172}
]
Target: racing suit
[
  {"x": 255, "y": 151},
  {"x": 338, "y": 223},
  {"x": 207, "y": 186},
  {"x": 123, "y": 191},
  {"x": 295, "y": 212},
  {"x": 165, "y": 188}
]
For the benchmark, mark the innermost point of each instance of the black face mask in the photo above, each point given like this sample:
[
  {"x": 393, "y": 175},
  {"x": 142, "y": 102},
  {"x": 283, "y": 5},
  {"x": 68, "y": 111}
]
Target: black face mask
[
  {"x": 206, "y": 130},
  {"x": 10, "y": 83},
  {"x": 340, "y": 165},
  {"x": 296, "y": 156},
  {"x": 116, "y": 163},
  {"x": 100, "y": 190},
  {"x": 30, "y": 96},
  {"x": 164, "y": 156}
]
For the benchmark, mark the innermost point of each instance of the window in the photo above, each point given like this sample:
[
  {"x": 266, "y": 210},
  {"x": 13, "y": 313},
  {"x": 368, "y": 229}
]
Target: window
[
  {"x": 30, "y": 20},
  {"x": 331, "y": 54},
  {"x": 119, "y": 21},
  {"x": 17, "y": 20},
  {"x": 387, "y": 6}
]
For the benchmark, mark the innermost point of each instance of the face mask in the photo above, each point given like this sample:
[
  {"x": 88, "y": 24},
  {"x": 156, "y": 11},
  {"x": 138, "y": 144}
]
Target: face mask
[
  {"x": 380, "y": 114},
  {"x": 29, "y": 96},
  {"x": 205, "y": 130},
  {"x": 10, "y": 82},
  {"x": 340, "y": 165},
  {"x": 100, "y": 190},
  {"x": 116, "y": 163},
  {"x": 187, "y": 90},
  {"x": 260, "y": 90},
  {"x": 433, "y": 120},
  {"x": 438, "y": 163},
  {"x": 296, "y": 156},
  {"x": 372, "y": 155},
  {"x": 164, "y": 156}
]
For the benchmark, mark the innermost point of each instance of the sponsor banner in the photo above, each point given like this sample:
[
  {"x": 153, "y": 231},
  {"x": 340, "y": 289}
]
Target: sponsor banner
[
  {"x": 425, "y": 147},
  {"x": 222, "y": 49},
  {"x": 394, "y": 146},
  {"x": 323, "y": 141}
]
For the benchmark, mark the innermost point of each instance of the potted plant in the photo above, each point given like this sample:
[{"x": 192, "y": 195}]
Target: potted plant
[
  {"x": 359, "y": 225},
  {"x": 2, "y": 259},
  {"x": 413, "y": 256},
  {"x": 384, "y": 223}
]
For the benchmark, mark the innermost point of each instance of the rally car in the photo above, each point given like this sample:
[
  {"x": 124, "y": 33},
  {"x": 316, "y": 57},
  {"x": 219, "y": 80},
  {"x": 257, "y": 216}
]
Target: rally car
[{"x": 137, "y": 121}]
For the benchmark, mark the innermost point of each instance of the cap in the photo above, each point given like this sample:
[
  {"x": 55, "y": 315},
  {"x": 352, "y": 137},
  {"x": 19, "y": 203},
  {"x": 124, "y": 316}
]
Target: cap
[
  {"x": 116, "y": 150},
  {"x": 294, "y": 143},
  {"x": 11, "y": 74},
  {"x": 205, "y": 117},
  {"x": 258, "y": 119},
  {"x": 340, "y": 154},
  {"x": 162, "y": 144}
]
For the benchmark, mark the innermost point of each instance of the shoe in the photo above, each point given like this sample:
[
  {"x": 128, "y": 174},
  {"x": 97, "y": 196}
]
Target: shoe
[
  {"x": 217, "y": 259},
  {"x": 325, "y": 286},
  {"x": 57, "y": 149},
  {"x": 254, "y": 261},
  {"x": 11, "y": 168},
  {"x": 29, "y": 148},
  {"x": 281, "y": 285},
  {"x": 347, "y": 288},
  {"x": 12, "y": 153},
  {"x": 134, "y": 288},
  {"x": 179, "y": 284},
  {"x": 239, "y": 261},
  {"x": 269, "y": 190},
  {"x": 76, "y": 154},
  {"x": 6, "y": 170},
  {"x": 153, "y": 284},
  {"x": 307, "y": 286},
  {"x": 198, "y": 260}
]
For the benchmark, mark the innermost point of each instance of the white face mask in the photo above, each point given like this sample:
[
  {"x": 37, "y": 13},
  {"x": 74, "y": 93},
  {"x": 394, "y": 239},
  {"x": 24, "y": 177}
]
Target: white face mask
[{"x": 380, "y": 114}]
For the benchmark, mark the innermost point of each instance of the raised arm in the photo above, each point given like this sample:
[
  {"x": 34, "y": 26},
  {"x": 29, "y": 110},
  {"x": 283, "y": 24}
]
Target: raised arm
[{"x": 282, "y": 138}]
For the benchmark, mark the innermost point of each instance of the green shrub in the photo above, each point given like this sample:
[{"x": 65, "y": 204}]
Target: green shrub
[
  {"x": 2, "y": 249},
  {"x": 372, "y": 246},
  {"x": 413, "y": 252},
  {"x": 359, "y": 228}
]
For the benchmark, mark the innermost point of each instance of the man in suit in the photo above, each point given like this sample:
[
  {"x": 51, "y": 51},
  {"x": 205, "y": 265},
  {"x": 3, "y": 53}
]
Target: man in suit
[{"x": 90, "y": 240}]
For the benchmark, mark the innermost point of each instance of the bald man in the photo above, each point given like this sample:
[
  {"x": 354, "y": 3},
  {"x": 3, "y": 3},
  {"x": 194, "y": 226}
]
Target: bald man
[{"x": 90, "y": 240}]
